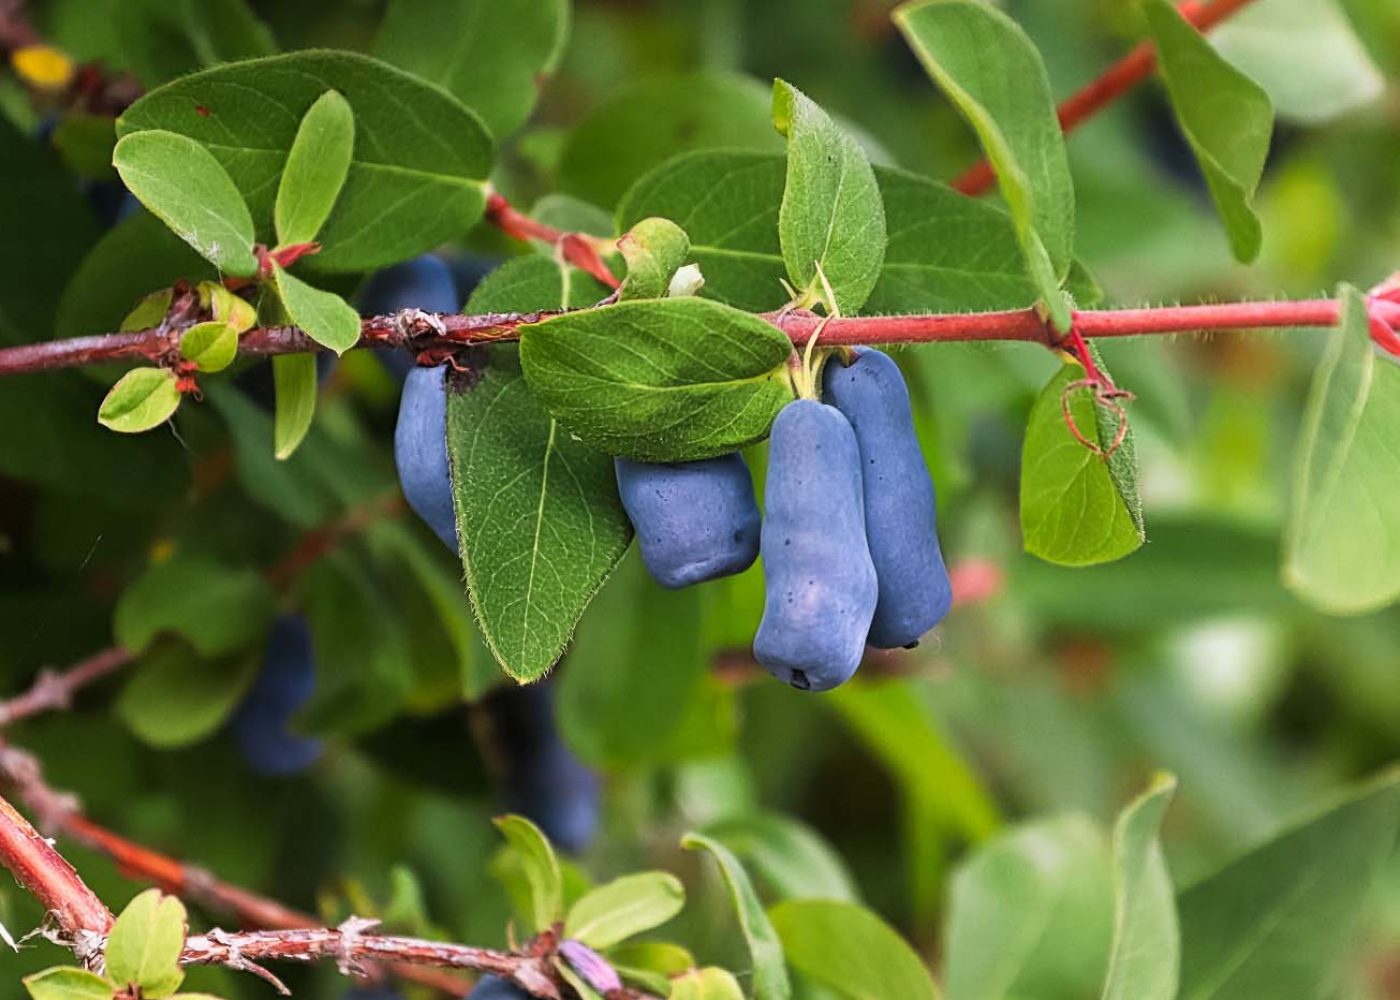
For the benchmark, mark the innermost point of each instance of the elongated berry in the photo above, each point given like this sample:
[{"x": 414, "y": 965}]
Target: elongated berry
[
  {"x": 285, "y": 682},
  {"x": 819, "y": 582},
  {"x": 420, "y": 451},
  {"x": 900, "y": 505},
  {"x": 695, "y": 521}
]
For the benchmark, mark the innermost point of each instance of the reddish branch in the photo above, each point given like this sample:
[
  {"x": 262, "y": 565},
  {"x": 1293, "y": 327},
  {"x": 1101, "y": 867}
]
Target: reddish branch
[
  {"x": 53, "y": 689},
  {"x": 1112, "y": 84},
  {"x": 433, "y": 336},
  {"x": 578, "y": 249},
  {"x": 41, "y": 871}
]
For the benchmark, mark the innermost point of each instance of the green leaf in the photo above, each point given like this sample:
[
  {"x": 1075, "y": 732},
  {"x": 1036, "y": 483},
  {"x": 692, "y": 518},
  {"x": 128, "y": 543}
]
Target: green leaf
[
  {"x": 540, "y": 867},
  {"x": 188, "y": 189},
  {"x": 832, "y": 220},
  {"x": 941, "y": 796},
  {"x": 227, "y": 307},
  {"x": 650, "y": 964},
  {"x": 1274, "y": 922},
  {"x": 625, "y": 907},
  {"x": 1030, "y": 914},
  {"x": 1343, "y": 530},
  {"x": 654, "y": 249},
  {"x": 218, "y": 609},
  {"x": 946, "y": 252},
  {"x": 770, "y": 978},
  {"x": 1146, "y": 953},
  {"x": 709, "y": 983},
  {"x": 211, "y": 346},
  {"x": 1304, "y": 54},
  {"x": 142, "y": 399},
  {"x": 1226, "y": 117},
  {"x": 495, "y": 59},
  {"x": 144, "y": 946},
  {"x": 656, "y": 118},
  {"x": 971, "y": 51},
  {"x": 538, "y": 516},
  {"x": 1076, "y": 508},
  {"x": 417, "y": 179},
  {"x": 175, "y": 698},
  {"x": 67, "y": 983},
  {"x": 294, "y": 383},
  {"x": 150, "y": 312},
  {"x": 669, "y": 380},
  {"x": 850, "y": 949},
  {"x": 326, "y": 317},
  {"x": 615, "y": 709},
  {"x": 790, "y": 857},
  {"x": 317, "y": 166}
]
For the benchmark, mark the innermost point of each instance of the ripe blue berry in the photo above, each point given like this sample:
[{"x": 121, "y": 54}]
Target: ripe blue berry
[
  {"x": 491, "y": 988},
  {"x": 819, "y": 582},
  {"x": 695, "y": 521},
  {"x": 420, "y": 451},
  {"x": 900, "y": 506},
  {"x": 285, "y": 683}
]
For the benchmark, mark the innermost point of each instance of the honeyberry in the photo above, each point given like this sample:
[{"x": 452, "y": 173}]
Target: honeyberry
[
  {"x": 283, "y": 685},
  {"x": 420, "y": 451},
  {"x": 819, "y": 582},
  {"x": 900, "y": 505},
  {"x": 695, "y": 521}
]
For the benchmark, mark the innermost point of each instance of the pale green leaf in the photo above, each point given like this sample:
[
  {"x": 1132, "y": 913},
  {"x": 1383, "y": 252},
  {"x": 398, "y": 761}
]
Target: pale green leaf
[
  {"x": 650, "y": 964},
  {"x": 326, "y": 317},
  {"x": 418, "y": 175},
  {"x": 653, "y": 248},
  {"x": 216, "y": 608},
  {"x": 67, "y": 983},
  {"x": 1226, "y": 117},
  {"x": 1077, "y": 508},
  {"x": 1030, "y": 914},
  {"x": 850, "y": 949},
  {"x": 1304, "y": 54},
  {"x": 143, "y": 948},
  {"x": 667, "y": 380},
  {"x": 540, "y": 866},
  {"x": 1274, "y": 922},
  {"x": 294, "y": 383},
  {"x": 993, "y": 74},
  {"x": 188, "y": 189},
  {"x": 832, "y": 220},
  {"x": 316, "y": 168},
  {"x": 538, "y": 515},
  {"x": 212, "y": 346},
  {"x": 709, "y": 983},
  {"x": 623, "y": 908},
  {"x": 1342, "y": 543},
  {"x": 789, "y": 856},
  {"x": 143, "y": 398},
  {"x": 770, "y": 978},
  {"x": 175, "y": 697},
  {"x": 495, "y": 59},
  {"x": 149, "y": 312},
  {"x": 1146, "y": 953}
]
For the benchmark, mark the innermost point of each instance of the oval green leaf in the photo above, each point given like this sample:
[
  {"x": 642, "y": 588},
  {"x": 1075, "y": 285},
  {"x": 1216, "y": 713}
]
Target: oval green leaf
[
  {"x": 326, "y": 317},
  {"x": 612, "y": 913},
  {"x": 67, "y": 983},
  {"x": 294, "y": 386},
  {"x": 540, "y": 867},
  {"x": 1146, "y": 953},
  {"x": 317, "y": 166},
  {"x": 211, "y": 346},
  {"x": 143, "y": 398},
  {"x": 176, "y": 697},
  {"x": 662, "y": 381},
  {"x": 848, "y": 948},
  {"x": 187, "y": 188},
  {"x": 144, "y": 946},
  {"x": 216, "y": 608}
]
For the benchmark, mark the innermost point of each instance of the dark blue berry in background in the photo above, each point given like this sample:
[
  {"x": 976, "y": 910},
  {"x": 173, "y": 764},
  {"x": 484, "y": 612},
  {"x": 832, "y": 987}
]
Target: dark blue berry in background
[
  {"x": 695, "y": 521},
  {"x": 541, "y": 778},
  {"x": 425, "y": 283},
  {"x": 420, "y": 451},
  {"x": 491, "y": 988},
  {"x": 819, "y": 582},
  {"x": 284, "y": 684},
  {"x": 900, "y": 506}
]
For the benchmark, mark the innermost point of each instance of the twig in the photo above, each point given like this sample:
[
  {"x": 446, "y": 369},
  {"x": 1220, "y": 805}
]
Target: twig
[
  {"x": 53, "y": 689},
  {"x": 1112, "y": 84}
]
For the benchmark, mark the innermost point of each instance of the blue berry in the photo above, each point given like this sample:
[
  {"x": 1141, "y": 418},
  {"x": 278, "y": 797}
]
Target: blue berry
[{"x": 285, "y": 683}]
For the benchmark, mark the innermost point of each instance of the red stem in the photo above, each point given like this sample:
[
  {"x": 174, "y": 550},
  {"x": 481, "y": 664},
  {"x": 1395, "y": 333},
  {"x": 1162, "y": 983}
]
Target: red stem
[
  {"x": 1112, "y": 84},
  {"x": 45, "y": 875},
  {"x": 577, "y": 249}
]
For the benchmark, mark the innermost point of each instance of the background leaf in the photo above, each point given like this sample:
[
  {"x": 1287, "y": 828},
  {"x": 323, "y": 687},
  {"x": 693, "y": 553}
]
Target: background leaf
[
  {"x": 669, "y": 380},
  {"x": 495, "y": 62},
  {"x": 416, "y": 179},
  {"x": 623, "y": 908},
  {"x": 1227, "y": 118},
  {"x": 216, "y": 608},
  {"x": 850, "y": 949},
  {"x": 787, "y": 855},
  {"x": 187, "y": 188},
  {"x": 972, "y": 51},
  {"x": 175, "y": 697},
  {"x": 316, "y": 168},
  {"x": 1274, "y": 922},
  {"x": 540, "y": 523},
  {"x": 540, "y": 866},
  {"x": 1341, "y": 533},
  {"x": 294, "y": 379},
  {"x": 709, "y": 983},
  {"x": 831, "y": 219},
  {"x": 1144, "y": 962}
]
